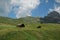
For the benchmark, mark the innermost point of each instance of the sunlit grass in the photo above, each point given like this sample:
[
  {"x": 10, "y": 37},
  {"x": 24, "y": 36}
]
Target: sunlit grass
[{"x": 30, "y": 32}]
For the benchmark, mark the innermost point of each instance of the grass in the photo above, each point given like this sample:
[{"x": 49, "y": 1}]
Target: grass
[{"x": 30, "y": 32}]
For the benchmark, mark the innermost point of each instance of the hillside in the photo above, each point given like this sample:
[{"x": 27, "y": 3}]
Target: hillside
[
  {"x": 52, "y": 17},
  {"x": 9, "y": 31},
  {"x": 47, "y": 32},
  {"x": 25, "y": 20}
]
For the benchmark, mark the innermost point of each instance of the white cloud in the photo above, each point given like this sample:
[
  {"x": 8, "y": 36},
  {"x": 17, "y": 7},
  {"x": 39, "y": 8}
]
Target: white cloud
[
  {"x": 55, "y": 9},
  {"x": 46, "y": 1},
  {"x": 4, "y": 7},
  {"x": 25, "y": 7},
  {"x": 58, "y": 1}
]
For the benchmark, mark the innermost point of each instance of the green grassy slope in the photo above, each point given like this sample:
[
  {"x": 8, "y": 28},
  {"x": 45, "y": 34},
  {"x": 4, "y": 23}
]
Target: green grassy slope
[
  {"x": 9, "y": 31},
  {"x": 24, "y": 20},
  {"x": 47, "y": 32}
]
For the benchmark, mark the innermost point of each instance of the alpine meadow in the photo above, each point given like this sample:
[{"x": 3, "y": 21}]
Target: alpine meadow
[{"x": 29, "y": 19}]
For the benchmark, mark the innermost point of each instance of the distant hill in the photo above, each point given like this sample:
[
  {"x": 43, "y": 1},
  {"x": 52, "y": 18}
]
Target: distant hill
[
  {"x": 9, "y": 31},
  {"x": 52, "y": 17},
  {"x": 25, "y": 20},
  {"x": 30, "y": 19}
]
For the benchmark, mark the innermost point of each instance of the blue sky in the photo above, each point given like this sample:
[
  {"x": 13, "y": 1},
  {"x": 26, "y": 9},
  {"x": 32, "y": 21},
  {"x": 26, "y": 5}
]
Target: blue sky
[
  {"x": 43, "y": 8},
  {"x": 15, "y": 9}
]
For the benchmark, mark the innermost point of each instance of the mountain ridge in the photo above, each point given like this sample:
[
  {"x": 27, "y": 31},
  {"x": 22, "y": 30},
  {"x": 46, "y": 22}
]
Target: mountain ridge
[{"x": 12, "y": 21}]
